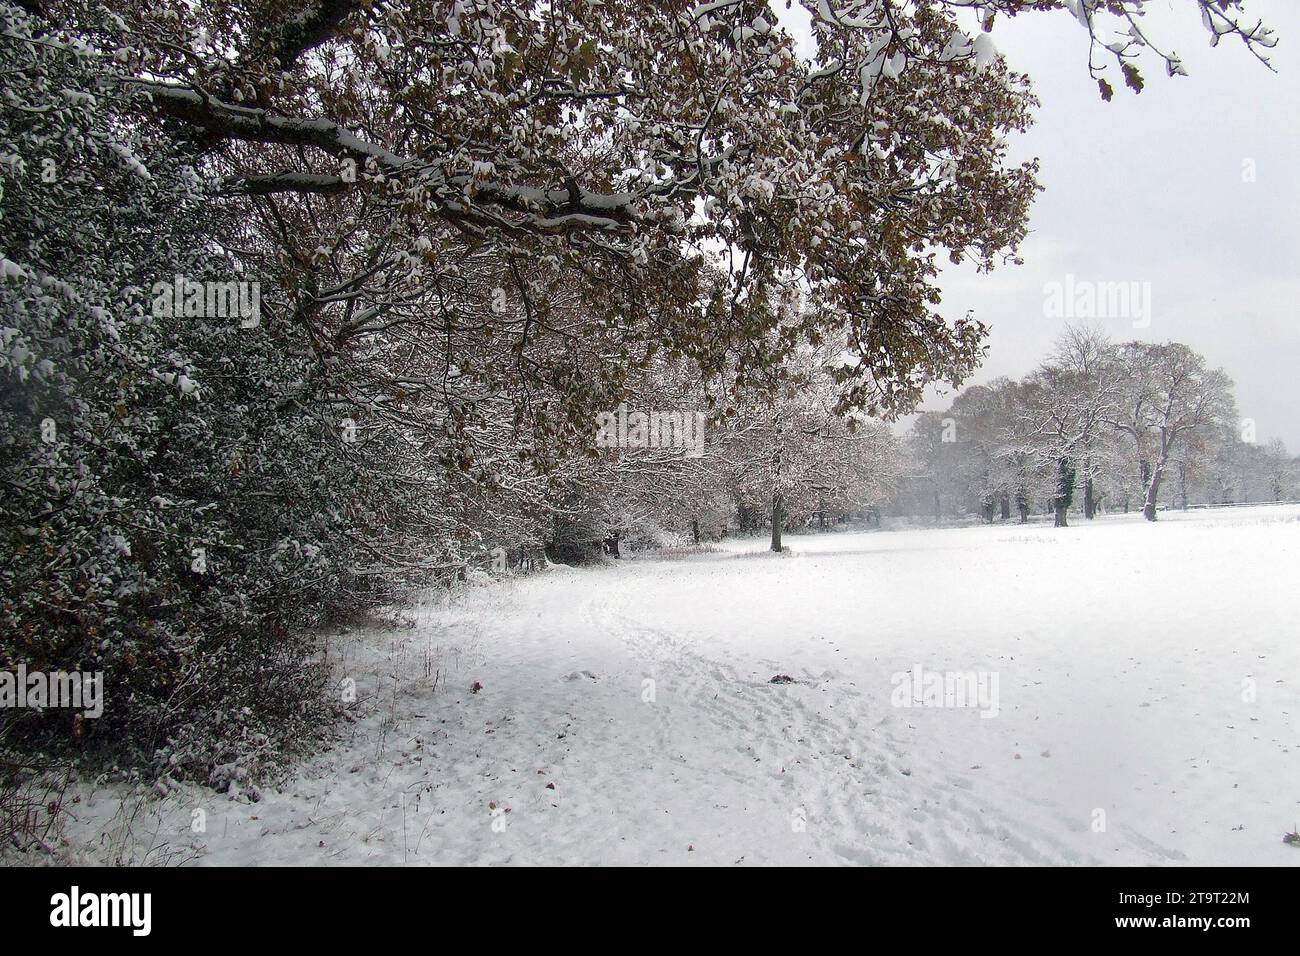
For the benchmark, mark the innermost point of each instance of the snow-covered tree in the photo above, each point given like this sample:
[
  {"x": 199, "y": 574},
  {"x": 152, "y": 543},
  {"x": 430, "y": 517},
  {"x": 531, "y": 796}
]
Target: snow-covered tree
[
  {"x": 1169, "y": 394},
  {"x": 793, "y": 456},
  {"x": 1067, "y": 404}
]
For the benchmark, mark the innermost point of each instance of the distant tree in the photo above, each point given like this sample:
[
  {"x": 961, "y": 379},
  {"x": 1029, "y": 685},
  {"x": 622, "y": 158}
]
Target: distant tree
[
  {"x": 979, "y": 416},
  {"x": 1279, "y": 469},
  {"x": 933, "y": 466},
  {"x": 1169, "y": 395},
  {"x": 1067, "y": 402},
  {"x": 794, "y": 455}
]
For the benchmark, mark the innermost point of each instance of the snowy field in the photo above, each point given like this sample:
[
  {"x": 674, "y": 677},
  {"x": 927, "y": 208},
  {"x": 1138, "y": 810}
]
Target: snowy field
[{"x": 1146, "y": 712}]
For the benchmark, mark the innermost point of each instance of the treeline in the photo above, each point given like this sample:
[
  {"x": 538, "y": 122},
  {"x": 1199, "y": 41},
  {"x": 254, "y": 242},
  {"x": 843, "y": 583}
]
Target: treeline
[
  {"x": 262, "y": 373},
  {"x": 1100, "y": 425}
]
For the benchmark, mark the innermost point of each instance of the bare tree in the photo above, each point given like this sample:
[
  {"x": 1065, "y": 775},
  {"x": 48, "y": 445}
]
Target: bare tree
[
  {"x": 1067, "y": 402},
  {"x": 1169, "y": 395}
]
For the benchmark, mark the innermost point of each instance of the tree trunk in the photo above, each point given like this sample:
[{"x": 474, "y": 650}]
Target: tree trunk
[
  {"x": 1089, "y": 499},
  {"x": 776, "y": 522},
  {"x": 1064, "y": 491},
  {"x": 1153, "y": 493},
  {"x": 1157, "y": 475},
  {"x": 695, "y": 529},
  {"x": 1005, "y": 507}
]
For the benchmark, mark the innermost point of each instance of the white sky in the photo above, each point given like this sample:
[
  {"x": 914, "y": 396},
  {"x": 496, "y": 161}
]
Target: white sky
[{"x": 1149, "y": 188}]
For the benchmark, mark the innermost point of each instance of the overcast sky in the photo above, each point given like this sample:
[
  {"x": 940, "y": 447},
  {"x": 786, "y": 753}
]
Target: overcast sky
[{"x": 1150, "y": 188}]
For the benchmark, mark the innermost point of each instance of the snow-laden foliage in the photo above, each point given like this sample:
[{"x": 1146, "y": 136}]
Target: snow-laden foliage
[
  {"x": 178, "y": 501},
  {"x": 673, "y": 170}
]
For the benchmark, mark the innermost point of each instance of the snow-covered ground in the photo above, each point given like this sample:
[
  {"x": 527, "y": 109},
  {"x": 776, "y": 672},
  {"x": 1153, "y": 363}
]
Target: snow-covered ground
[{"x": 1146, "y": 711}]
